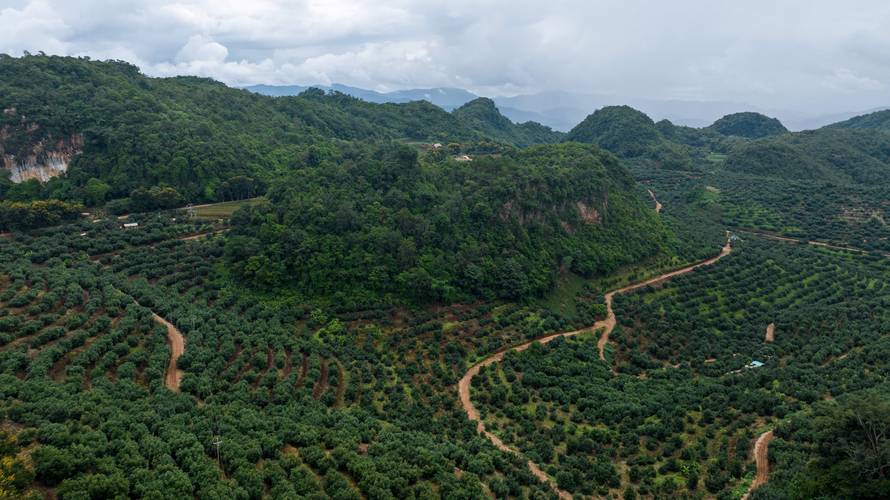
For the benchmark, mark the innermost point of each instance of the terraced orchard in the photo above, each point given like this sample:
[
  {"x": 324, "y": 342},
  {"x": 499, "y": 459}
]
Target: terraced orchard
[
  {"x": 678, "y": 405},
  {"x": 276, "y": 398}
]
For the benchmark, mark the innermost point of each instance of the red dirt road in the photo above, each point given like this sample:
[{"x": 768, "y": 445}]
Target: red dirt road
[
  {"x": 761, "y": 449},
  {"x": 173, "y": 377},
  {"x": 607, "y": 325}
]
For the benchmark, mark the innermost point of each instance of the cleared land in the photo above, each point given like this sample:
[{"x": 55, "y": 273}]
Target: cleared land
[{"x": 223, "y": 210}]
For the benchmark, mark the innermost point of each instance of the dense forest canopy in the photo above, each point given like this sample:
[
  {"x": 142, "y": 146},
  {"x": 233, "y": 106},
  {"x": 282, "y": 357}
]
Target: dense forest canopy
[
  {"x": 749, "y": 125},
  {"x": 482, "y": 116},
  {"x": 387, "y": 222},
  {"x": 195, "y": 134},
  {"x": 878, "y": 120}
]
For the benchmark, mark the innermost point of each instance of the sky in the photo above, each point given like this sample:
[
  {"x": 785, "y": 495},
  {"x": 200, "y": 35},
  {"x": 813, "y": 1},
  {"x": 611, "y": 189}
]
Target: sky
[{"x": 814, "y": 55}]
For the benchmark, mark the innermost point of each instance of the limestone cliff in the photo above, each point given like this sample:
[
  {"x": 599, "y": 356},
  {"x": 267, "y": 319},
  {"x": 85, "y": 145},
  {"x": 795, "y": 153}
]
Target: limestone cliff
[{"x": 29, "y": 154}]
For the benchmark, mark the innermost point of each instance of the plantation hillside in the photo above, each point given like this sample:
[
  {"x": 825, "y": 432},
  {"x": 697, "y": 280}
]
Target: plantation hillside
[{"x": 846, "y": 156}]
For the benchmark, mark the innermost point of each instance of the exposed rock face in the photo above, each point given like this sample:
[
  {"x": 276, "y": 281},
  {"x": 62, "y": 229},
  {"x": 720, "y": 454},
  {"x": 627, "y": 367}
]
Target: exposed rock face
[
  {"x": 43, "y": 159},
  {"x": 588, "y": 214},
  {"x": 586, "y": 211},
  {"x": 32, "y": 167}
]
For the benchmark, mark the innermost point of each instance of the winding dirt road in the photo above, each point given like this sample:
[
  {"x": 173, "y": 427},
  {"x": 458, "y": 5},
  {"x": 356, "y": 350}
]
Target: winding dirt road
[
  {"x": 606, "y": 325},
  {"x": 761, "y": 458},
  {"x": 177, "y": 346}
]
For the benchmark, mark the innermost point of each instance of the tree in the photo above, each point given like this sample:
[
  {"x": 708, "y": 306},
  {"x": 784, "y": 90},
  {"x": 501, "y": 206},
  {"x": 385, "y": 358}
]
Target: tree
[{"x": 95, "y": 191}]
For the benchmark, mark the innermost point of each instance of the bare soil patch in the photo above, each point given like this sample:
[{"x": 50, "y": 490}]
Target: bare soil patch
[
  {"x": 173, "y": 377},
  {"x": 761, "y": 458}
]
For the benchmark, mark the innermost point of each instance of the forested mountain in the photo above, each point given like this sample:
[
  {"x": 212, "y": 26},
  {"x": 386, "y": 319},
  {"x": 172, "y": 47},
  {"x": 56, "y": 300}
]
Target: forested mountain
[
  {"x": 749, "y": 125},
  {"x": 703, "y": 289},
  {"x": 362, "y": 225},
  {"x": 104, "y": 121},
  {"x": 482, "y": 116},
  {"x": 877, "y": 120},
  {"x": 629, "y": 134}
]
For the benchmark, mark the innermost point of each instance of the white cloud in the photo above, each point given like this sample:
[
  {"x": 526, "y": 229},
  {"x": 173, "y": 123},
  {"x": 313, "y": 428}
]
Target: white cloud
[
  {"x": 34, "y": 27},
  {"x": 788, "y": 53},
  {"x": 200, "y": 48}
]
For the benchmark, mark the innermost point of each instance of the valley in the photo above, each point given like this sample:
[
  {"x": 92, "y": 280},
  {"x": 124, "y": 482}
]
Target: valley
[{"x": 230, "y": 295}]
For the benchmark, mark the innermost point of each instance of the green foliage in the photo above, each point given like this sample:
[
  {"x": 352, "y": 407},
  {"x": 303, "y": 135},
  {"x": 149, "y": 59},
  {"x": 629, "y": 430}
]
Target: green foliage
[
  {"x": 876, "y": 120},
  {"x": 629, "y": 134},
  {"x": 374, "y": 224},
  {"x": 749, "y": 125},
  {"x": 306, "y": 405},
  {"x": 15, "y": 216},
  {"x": 194, "y": 133},
  {"x": 845, "y": 156},
  {"x": 483, "y": 117},
  {"x": 839, "y": 449}
]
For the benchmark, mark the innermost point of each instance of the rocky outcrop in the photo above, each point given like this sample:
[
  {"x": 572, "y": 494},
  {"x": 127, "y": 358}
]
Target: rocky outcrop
[
  {"x": 41, "y": 159},
  {"x": 586, "y": 212}
]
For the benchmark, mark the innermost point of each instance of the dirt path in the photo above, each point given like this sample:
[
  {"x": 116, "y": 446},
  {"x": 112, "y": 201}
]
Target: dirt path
[
  {"x": 657, "y": 203},
  {"x": 761, "y": 449},
  {"x": 177, "y": 346},
  {"x": 607, "y": 325},
  {"x": 322, "y": 383},
  {"x": 197, "y": 236},
  {"x": 770, "y": 333},
  {"x": 789, "y": 239}
]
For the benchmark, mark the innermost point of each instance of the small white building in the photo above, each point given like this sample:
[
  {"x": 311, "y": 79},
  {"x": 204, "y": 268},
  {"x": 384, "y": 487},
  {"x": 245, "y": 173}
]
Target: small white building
[{"x": 130, "y": 225}]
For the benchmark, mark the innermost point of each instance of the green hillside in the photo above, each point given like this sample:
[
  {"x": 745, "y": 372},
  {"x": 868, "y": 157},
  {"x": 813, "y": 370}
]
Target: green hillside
[
  {"x": 365, "y": 224},
  {"x": 630, "y": 134},
  {"x": 858, "y": 156},
  {"x": 749, "y": 125},
  {"x": 876, "y": 120},
  {"x": 129, "y": 131},
  {"x": 482, "y": 116}
]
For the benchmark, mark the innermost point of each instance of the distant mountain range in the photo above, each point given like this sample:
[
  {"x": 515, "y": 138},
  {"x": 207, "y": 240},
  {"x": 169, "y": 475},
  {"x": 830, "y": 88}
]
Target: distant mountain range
[{"x": 561, "y": 110}]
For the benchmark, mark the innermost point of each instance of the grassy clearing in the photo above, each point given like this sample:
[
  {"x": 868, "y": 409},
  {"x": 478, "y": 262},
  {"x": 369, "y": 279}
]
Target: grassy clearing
[
  {"x": 563, "y": 297},
  {"x": 223, "y": 210}
]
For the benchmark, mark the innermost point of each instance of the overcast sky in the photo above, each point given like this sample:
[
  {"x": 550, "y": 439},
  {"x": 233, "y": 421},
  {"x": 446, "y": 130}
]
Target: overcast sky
[{"x": 796, "y": 54}]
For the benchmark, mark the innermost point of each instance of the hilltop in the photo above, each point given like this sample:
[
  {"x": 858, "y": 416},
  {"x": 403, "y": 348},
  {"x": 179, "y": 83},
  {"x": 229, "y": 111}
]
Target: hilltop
[
  {"x": 483, "y": 117},
  {"x": 749, "y": 125},
  {"x": 629, "y": 134}
]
